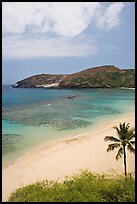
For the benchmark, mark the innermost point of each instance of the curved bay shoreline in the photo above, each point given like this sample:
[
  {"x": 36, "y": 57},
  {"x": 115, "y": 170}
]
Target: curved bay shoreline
[{"x": 65, "y": 157}]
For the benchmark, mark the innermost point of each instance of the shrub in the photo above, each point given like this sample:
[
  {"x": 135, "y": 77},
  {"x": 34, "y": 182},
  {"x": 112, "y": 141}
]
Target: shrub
[{"x": 86, "y": 187}]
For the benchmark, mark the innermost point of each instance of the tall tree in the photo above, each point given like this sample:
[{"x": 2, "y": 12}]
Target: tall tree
[{"x": 125, "y": 139}]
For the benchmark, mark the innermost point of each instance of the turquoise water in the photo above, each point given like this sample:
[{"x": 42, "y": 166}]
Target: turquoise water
[{"x": 31, "y": 117}]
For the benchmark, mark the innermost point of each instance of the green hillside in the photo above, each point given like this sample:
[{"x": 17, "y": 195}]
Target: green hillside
[{"x": 107, "y": 76}]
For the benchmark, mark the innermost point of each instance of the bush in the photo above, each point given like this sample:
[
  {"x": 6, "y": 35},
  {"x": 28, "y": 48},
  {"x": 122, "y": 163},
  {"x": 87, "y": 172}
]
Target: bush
[{"x": 86, "y": 187}]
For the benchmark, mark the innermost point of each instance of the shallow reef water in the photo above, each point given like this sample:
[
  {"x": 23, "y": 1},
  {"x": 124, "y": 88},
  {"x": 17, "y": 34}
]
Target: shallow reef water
[{"x": 57, "y": 111}]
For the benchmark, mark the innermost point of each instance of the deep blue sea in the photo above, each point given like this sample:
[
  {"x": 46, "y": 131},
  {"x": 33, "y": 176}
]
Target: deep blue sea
[{"x": 31, "y": 117}]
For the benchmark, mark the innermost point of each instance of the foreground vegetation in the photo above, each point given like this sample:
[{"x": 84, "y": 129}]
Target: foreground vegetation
[{"x": 86, "y": 187}]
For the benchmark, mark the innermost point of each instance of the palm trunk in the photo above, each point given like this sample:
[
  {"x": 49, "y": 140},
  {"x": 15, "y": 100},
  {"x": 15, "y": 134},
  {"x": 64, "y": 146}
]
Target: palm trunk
[{"x": 125, "y": 165}]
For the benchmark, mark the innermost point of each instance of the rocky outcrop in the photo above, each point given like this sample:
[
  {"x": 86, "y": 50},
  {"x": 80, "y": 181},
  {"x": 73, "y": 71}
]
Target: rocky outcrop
[
  {"x": 107, "y": 76},
  {"x": 38, "y": 81}
]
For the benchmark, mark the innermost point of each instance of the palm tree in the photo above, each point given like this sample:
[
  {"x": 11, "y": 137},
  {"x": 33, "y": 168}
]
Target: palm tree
[{"x": 125, "y": 136}]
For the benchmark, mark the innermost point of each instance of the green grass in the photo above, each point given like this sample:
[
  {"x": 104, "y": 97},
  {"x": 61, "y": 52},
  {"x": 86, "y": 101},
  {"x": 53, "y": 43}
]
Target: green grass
[
  {"x": 116, "y": 79},
  {"x": 113, "y": 79},
  {"x": 86, "y": 187}
]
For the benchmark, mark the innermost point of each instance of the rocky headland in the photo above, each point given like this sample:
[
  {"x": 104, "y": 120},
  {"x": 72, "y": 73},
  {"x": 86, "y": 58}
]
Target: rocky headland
[{"x": 108, "y": 76}]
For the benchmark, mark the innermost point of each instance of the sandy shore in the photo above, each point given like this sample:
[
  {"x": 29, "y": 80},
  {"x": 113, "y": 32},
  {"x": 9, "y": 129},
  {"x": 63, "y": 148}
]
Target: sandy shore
[{"x": 67, "y": 157}]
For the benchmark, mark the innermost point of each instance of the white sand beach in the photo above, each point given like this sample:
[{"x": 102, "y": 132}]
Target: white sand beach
[{"x": 66, "y": 157}]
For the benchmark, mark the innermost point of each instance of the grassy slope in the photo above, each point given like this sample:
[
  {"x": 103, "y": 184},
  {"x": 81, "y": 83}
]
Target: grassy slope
[
  {"x": 87, "y": 187},
  {"x": 112, "y": 79}
]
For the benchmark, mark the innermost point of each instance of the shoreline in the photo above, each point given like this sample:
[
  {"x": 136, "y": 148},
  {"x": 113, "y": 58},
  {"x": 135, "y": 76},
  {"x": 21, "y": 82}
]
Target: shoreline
[
  {"x": 126, "y": 88},
  {"x": 65, "y": 157},
  {"x": 94, "y": 127}
]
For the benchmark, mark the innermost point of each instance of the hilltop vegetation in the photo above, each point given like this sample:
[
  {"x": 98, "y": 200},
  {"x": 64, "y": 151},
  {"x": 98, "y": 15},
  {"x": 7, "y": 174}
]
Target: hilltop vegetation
[
  {"x": 87, "y": 187},
  {"x": 107, "y": 76}
]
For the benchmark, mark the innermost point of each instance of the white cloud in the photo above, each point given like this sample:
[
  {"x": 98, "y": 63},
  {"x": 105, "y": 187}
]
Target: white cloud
[
  {"x": 62, "y": 18},
  {"x": 18, "y": 47},
  {"x": 110, "y": 17},
  {"x": 54, "y": 29}
]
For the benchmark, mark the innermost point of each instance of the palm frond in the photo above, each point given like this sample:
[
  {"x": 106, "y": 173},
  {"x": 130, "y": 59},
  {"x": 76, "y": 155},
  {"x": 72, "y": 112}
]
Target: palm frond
[
  {"x": 127, "y": 126},
  {"x": 130, "y": 147},
  {"x": 112, "y": 146},
  {"x": 120, "y": 153},
  {"x": 132, "y": 142},
  {"x": 118, "y": 131},
  {"x": 111, "y": 138},
  {"x": 123, "y": 128},
  {"x": 131, "y": 134},
  {"x": 132, "y": 129}
]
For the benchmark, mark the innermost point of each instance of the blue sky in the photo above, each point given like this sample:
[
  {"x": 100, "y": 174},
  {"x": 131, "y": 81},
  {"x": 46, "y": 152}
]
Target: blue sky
[{"x": 50, "y": 37}]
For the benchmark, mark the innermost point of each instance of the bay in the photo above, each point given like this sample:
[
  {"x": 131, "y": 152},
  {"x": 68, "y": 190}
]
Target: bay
[{"x": 31, "y": 117}]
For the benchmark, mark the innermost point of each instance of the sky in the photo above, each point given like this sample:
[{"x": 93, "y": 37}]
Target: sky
[{"x": 65, "y": 37}]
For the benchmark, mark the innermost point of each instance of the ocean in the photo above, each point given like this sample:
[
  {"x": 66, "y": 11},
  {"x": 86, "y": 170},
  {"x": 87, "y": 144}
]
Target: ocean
[{"x": 32, "y": 116}]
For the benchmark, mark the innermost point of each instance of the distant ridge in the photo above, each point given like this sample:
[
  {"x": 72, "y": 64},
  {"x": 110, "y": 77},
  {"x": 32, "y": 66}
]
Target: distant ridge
[{"x": 107, "y": 76}]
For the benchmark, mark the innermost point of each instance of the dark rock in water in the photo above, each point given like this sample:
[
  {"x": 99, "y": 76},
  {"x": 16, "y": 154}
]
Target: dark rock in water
[
  {"x": 15, "y": 85},
  {"x": 73, "y": 96}
]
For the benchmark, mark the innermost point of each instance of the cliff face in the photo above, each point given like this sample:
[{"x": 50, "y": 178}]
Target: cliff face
[
  {"x": 98, "y": 77},
  {"x": 39, "y": 81}
]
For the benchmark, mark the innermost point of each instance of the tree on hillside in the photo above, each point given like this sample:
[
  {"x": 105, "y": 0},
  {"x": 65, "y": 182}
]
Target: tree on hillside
[{"x": 123, "y": 142}]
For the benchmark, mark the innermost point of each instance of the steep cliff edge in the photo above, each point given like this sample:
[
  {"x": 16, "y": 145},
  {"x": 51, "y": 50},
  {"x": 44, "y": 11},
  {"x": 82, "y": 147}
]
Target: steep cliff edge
[{"x": 38, "y": 81}]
